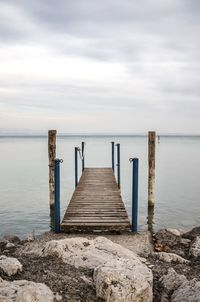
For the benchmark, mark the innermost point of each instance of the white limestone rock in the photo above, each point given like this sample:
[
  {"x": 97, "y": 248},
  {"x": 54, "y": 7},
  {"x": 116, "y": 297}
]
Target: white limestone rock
[
  {"x": 170, "y": 257},
  {"x": 87, "y": 253},
  {"x": 9, "y": 265},
  {"x": 185, "y": 242},
  {"x": 10, "y": 245},
  {"x": 119, "y": 274},
  {"x": 189, "y": 291},
  {"x": 172, "y": 280},
  {"x": 24, "y": 291},
  {"x": 195, "y": 247},
  {"x": 123, "y": 280},
  {"x": 174, "y": 232}
]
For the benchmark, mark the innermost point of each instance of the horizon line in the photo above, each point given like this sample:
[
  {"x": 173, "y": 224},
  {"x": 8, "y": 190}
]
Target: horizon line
[{"x": 94, "y": 134}]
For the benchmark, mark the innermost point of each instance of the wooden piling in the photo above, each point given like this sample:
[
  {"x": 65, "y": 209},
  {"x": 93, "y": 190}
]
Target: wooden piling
[
  {"x": 52, "y": 156},
  {"x": 151, "y": 161}
]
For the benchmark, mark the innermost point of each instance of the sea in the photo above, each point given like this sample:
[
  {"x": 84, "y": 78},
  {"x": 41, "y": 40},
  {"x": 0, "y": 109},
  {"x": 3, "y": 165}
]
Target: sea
[{"x": 24, "y": 188}]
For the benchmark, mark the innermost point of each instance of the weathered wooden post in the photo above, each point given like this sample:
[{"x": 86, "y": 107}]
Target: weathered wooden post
[
  {"x": 52, "y": 156},
  {"x": 151, "y": 161}
]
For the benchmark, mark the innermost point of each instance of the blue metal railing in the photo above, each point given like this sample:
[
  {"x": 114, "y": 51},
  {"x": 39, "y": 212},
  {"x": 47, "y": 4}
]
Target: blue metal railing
[
  {"x": 118, "y": 166},
  {"x": 113, "y": 156},
  {"x": 82, "y": 157},
  {"x": 135, "y": 170},
  {"x": 76, "y": 165},
  {"x": 57, "y": 194}
]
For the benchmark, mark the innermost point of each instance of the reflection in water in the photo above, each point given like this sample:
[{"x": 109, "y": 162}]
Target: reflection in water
[
  {"x": 52, "y": 219},
  {"x": 150, "y": 217}
]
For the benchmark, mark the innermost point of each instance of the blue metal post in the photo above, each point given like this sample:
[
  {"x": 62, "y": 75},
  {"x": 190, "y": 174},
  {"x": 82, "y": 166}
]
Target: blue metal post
[
  {"x": 76, "y": 165},
  {"x": 57, "y": 195},
  {"x": 135, "y": 194},
  {"x": 113, "y": 156},
  {"x": 118, "y": 165},
  {"x": 83, "y": 156}
]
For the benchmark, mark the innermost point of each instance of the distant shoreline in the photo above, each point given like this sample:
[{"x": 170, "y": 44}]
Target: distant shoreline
[{"x": 97, "y": 135}]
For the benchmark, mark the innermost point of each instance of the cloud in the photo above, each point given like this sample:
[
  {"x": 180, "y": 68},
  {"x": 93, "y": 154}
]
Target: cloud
[{"x": 73, "y": 60}]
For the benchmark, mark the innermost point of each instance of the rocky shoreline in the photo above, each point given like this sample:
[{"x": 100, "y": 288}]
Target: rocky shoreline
[{"x": 85, "y": 267}]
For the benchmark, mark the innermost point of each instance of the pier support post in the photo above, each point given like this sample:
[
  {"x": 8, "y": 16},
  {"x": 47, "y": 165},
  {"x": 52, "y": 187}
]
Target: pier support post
[
  {"x": 76, "y": 165},
  {"x": 83, "y": 155},
  {"x": 57, "y": 195},
  {"x": 134, "y": 225},
  {"x": 52, "y": 156},
  {"x": 118, "y": 165},
  {"x": 151, "y": 162},
  {"x": 113, "y": 156}
]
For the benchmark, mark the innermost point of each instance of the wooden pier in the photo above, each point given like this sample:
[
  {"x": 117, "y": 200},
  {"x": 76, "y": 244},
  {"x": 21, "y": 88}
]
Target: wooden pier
[{"x": 96, "y": 204}]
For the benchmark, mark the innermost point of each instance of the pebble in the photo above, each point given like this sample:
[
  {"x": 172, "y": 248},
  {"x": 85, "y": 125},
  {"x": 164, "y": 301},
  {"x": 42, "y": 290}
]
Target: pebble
[
  {"x": 58, "y": 297},
  {"x": 9, "y": 244}
]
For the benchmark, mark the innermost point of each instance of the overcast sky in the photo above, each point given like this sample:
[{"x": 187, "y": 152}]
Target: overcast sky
[{"x": 100, "y": 66}]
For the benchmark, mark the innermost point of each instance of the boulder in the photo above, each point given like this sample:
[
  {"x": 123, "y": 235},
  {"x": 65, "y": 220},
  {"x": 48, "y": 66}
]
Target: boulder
[
  {"x": 119, "y": 274},
  {"x": 195, "y": 247},
  {"x": 168, "y": 237},
  {"x": 170, "y": 257},
  {"x": 10, "y": 245},
  {"x": 24, "y": 291},
  {"x": 172, "y": 280},
  {"x": 189, "y": 291},
  {"x": 174, "y": 232},
  {"x": 192, "y": 234},
  {"x": 9, "y": 265},
  {"x": 123, "y": 280},
  {"x": 82, "y": 252},
  {"x": 12, "y": 238}
]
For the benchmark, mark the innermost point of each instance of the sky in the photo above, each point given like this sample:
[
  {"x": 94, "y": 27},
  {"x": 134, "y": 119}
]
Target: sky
[{"x": 91, "y": 66}]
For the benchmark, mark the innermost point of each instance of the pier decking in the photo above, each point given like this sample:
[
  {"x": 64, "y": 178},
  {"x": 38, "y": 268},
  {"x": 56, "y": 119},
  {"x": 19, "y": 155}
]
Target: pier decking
[{"x": 96, "y": 204}]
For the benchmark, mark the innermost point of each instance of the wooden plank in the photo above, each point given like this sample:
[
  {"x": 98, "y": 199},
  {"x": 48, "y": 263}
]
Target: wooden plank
[{"x": 96, "y": 203}]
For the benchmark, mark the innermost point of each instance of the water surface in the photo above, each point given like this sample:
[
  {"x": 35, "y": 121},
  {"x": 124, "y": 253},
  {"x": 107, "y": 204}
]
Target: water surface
[{"x": 24, "y": 199}]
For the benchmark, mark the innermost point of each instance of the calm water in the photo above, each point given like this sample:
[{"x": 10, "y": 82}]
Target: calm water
[{"x": 24, "y": 203}]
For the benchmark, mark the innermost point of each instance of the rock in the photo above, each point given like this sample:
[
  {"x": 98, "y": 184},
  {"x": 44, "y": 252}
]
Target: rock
[
  {"x": 119, "y": 273},
  {"x": 12, "y": 238},
  {"x": 123, "y": 280},
  {"x": 185, "y": 242},
  {"x": 175, "y": 232},
  {"x": 172, "y": 280},
  {"x": 30, "y": 238},
  {"x": 164, "y": 298},
  {"x": 195, "y": 247},
  {"x": 9, "y": 245},
  {"x": 167, "y": 237},
  {"x": 3, "y": 241},
  {"x": 170, "y": 257},
  {"x": 58, "y": 297},
  {"x": 87, "y": 253},
  {"x": 10, "y": 266},
  {"x": 24, "y": 291},
  {"x": 192, "y": 234},
  {"x": 189, "y": 291}
]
